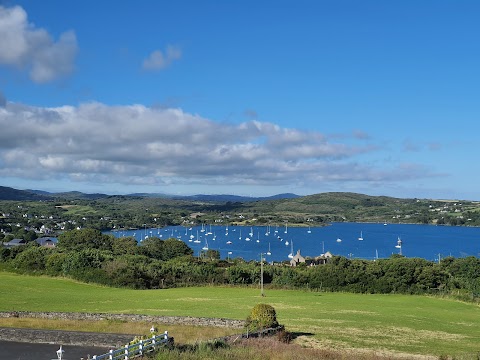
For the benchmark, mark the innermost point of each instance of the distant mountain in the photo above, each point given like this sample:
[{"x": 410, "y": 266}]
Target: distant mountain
[
  {"x": 234, "y": 198},
  {"x": 151, "y": 195},
  {"x": 8, "y": 193},
  {"x": 79, "y": 195},
  {"x": 66, "y": 195}
]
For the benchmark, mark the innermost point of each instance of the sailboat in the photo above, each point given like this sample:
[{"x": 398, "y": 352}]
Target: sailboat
[
  {"x": 206, "y": 245},
  {"x": 226, "y": 230},
  {"x": 309, "y": 231},
  {"x": 268, "y": 252},
  {"x": 251, "y": 232},
  {"x": 197, "y": 240},
  {"x": 361, "y": 236},
  {"x": 399, "y": 243},
  {"x": 339, "y": 240},
  {"x": 203, "y": 228},
  {"x": 290, "y": 256},
  {"x": 240, "y": 237},
  {"x": 286, "y": 228}
]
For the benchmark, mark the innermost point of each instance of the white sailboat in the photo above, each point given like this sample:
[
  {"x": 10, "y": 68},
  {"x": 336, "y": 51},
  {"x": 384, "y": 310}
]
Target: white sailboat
[
  {"x": 240, "y": 237},
  {"x": 268, "y": 252},
  {"x": 286, "y": 228},
  {"x": 197, "y": 240},
  {"x": 339, "y": 240},
  {"x": 206, "y": 245},
  {"x": 290, "y": 256},
  {"x": 309, "y": 230},
  {"x": 203, "y": 228},
  {"x": 361, "y": 236},
  {"x": 399, "y": 243}
]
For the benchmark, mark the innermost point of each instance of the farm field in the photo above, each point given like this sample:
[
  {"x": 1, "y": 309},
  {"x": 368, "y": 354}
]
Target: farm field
[{"x": 396, "y": 323}]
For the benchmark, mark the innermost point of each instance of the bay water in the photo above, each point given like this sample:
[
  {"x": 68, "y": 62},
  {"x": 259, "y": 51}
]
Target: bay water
[{"x": 276, "y": 243}]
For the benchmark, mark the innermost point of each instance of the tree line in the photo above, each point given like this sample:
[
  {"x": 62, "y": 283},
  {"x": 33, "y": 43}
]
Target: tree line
[{"x": 91, "y": 256}]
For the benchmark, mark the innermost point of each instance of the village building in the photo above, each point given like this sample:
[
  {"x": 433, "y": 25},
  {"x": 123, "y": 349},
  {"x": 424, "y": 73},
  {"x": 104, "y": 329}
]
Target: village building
[{"x": 319, "y": 260}]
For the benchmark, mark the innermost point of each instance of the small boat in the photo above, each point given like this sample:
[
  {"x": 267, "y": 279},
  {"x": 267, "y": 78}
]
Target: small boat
[
  {"x": 339, "y": 240},
  {"x": 229, "y": 242},
  {"x": 197, "y": 240},
  {"x": 361, "y": 236},
  {"x": 309, "y": 230},
  {"x": 399, "y": 243},
  {"x": 286, "y": 228},
  {"x": 290, "y": 256},
  {"x": 268, "y": 252},
  {"x": 206, "y": 245}
]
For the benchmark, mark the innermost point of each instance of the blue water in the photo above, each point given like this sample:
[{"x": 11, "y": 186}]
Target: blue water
[{"x": 424, "y": 241}]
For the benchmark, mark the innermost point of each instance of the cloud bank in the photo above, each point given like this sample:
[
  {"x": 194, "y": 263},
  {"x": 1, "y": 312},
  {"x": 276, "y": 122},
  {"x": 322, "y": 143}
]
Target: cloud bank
[
  {"x": 137, "y": 145},
  {"x": 27, "y": 47}
]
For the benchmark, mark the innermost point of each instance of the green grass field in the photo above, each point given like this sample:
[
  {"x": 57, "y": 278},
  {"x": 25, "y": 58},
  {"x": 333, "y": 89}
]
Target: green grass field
[{"x": 399, "y": 323}]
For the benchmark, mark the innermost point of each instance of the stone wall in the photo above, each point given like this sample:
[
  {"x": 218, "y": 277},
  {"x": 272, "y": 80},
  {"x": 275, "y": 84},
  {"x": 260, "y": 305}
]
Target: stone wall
[{"x": 176, "y": 320}]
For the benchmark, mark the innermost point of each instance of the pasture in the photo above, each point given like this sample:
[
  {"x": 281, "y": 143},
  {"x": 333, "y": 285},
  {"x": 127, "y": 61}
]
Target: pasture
[{"x": 392, "y": 323}]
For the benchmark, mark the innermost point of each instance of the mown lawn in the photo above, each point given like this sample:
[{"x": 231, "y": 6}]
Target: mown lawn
[{"x": 401, "y": 323}]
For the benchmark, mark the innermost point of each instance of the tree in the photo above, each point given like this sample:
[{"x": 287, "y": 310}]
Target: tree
[
  {"x": 211, "y": 254},
  {"x": 85, "y": 239},
  {"x": 262, "y": 316},
  {"x": 124, "y": 246}
]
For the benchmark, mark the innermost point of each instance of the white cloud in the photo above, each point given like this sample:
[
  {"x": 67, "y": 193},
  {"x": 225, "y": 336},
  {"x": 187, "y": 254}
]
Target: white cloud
[
  {"x": 27, "y": 47},
  {"x": 158, "y": 60},
  {"x": 134, "y": 145}
]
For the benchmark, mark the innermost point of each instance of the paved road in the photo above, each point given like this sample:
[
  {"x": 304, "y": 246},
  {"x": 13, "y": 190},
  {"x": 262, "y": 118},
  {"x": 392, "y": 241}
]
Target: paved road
[{"x": 11, "y": 350}]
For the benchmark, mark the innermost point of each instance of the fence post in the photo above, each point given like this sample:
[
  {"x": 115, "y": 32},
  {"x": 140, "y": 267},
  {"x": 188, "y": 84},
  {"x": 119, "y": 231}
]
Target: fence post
[
  {"x": 140, "y": 348},
  {"x": 153, "y": 342},
  {"x": 110, "y": 357},
  {"x": 165, "y": 334},
  {"x": 126, "y": 352}
]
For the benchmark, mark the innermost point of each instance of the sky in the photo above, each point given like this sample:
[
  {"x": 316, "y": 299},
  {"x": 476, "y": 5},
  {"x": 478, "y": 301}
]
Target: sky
[{"x": 251, "y": 98}]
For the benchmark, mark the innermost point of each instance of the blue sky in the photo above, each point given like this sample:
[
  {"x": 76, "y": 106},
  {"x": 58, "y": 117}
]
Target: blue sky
[{"x": 246, "y": 97}]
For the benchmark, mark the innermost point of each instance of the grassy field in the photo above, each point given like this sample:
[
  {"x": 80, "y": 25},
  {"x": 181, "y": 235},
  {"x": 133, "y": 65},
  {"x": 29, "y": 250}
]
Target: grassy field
[{"x": 399, "y": 323}]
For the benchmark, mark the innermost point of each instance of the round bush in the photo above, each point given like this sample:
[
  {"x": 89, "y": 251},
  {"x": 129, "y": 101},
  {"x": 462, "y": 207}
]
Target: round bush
[{"x": 262, "y": 316}]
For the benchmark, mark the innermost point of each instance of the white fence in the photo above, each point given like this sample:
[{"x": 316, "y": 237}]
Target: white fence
[{"x": 130, "y": 351}]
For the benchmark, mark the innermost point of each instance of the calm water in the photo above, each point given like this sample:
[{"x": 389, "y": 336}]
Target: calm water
[{"x": 425, "y": 241}]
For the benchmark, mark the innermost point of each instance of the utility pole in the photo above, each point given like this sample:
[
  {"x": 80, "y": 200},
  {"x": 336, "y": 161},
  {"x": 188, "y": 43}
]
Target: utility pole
[{"x": 261, "y": 275}]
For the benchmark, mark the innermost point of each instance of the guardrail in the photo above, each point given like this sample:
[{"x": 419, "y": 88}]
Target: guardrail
[{"x": 133, "y": 350}]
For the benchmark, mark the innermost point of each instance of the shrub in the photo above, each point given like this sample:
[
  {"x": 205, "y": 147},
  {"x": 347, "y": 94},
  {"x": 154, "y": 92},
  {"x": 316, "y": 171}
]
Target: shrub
[{"x": 262, "y": 316}]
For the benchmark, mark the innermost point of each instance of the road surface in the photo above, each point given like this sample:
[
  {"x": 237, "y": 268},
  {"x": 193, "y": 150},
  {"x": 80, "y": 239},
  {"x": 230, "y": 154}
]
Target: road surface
[{"x": 11, "y": 350}]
